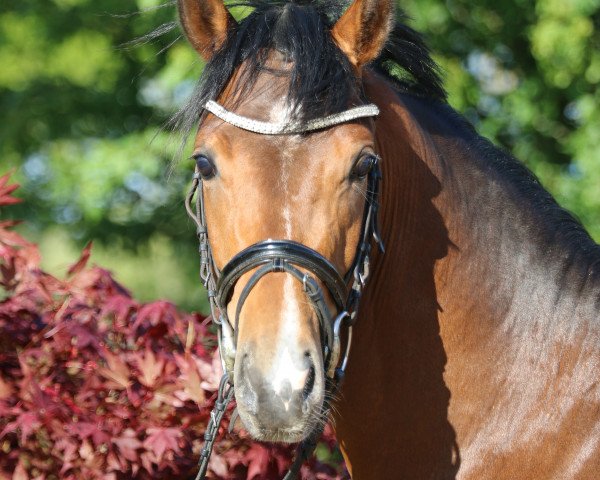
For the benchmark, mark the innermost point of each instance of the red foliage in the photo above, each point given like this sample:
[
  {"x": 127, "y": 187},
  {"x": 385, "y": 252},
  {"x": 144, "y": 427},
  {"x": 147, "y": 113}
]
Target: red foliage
[{"x": 96, "y": 385}]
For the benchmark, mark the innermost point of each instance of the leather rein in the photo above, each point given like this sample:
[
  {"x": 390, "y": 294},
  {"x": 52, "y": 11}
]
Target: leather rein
[{"x": 302, "y": 263}]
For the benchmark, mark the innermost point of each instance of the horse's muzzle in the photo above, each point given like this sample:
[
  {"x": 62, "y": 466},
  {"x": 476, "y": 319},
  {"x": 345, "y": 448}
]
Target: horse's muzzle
[{"x": 282, "y": 403}]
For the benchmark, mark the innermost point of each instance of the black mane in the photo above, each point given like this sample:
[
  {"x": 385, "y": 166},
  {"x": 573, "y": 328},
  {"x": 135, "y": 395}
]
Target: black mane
[{"x": 321, "y": 78}]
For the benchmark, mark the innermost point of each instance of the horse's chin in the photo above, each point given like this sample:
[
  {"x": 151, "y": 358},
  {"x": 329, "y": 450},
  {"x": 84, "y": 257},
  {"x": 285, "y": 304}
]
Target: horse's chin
[{"x": 289, "y": 434}]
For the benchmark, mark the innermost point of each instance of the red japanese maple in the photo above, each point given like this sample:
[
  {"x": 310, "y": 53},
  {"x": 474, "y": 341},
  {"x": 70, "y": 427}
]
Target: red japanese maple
[{"x": 94, "y": 385}]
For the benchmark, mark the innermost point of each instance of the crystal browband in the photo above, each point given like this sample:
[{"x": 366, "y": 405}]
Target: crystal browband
[{"x": 268, "y": 128}]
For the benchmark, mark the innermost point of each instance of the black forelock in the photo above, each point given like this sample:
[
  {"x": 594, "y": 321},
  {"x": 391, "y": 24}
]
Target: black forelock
[{"x": 321, "y": 78}]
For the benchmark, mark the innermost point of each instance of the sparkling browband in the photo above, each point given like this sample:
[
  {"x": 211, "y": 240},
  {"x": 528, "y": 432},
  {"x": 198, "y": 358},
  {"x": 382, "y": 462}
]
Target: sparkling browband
[{"x": 267, "y": 128}]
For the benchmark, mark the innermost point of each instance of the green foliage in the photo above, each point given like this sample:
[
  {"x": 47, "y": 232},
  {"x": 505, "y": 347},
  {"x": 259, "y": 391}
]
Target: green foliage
[
  {"x": 83, "y": 110},
  {"x": 156, "y": 268},
  {"x": 526, "y": 73}
]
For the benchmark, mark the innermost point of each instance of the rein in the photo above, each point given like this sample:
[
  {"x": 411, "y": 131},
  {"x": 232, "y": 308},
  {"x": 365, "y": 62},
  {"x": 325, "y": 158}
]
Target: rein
[{"x": 302, "y": 263}]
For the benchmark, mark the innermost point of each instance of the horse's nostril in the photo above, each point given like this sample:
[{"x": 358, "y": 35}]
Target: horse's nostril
[{"x": 310, "y": 383}]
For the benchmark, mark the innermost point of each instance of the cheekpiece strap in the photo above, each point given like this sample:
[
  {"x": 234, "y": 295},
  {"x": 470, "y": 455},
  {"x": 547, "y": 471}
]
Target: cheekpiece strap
[{"x": 269, "y": 128}]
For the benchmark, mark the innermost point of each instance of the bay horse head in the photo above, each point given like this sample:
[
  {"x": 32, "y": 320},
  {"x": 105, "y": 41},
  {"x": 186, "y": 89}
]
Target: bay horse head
[{"x": 287, "y": 173}]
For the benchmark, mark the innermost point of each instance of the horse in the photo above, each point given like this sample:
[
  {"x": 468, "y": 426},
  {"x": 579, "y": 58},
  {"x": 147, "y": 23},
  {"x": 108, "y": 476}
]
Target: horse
[{"x": 476, "y": 339}]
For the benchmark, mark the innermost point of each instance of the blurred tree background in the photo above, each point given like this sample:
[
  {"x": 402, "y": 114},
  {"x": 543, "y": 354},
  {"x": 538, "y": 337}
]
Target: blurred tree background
[{"x": 82, "y": 116}]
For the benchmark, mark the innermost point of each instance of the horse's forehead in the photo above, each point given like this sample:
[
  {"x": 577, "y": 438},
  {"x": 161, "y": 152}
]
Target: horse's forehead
[
  {"x": 269, "y": 89},
  {"x": 231, "y": 144},
  {"x": 310, "y": 157},
  {"x": 325, "y": 151}
]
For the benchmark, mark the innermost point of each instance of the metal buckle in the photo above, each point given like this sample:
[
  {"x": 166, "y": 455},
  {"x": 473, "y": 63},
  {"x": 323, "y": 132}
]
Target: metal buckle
[{"x": 335, "y": 351}]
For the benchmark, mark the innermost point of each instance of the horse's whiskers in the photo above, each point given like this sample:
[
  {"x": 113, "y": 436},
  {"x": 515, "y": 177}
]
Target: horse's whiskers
[{"x": 363, "y": 191}]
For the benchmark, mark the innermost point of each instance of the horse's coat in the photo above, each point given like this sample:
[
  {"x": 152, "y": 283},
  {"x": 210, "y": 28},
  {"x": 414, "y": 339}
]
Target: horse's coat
[{"x": 477, "y": 351}]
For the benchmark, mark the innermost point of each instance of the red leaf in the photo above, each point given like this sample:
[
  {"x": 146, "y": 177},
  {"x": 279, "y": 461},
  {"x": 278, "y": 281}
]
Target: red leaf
[
  {"x": 149, "y": 366},
  {"x": 120, "y": 305},
  {"x": 86, "y": 451},
  {"x": 117, "y": 370},
  {"x": 27, "y": 422},
  {"x": 218, "y": 465},
  {"x": 210, "y": 372},
  {"x": 20, "y": 473},
  {"x": 156, "y": 314},
  {"x": 9, "y": 223},
  {"x": 82, "y": 337},
  {"x": 258, "y": 461},
  {"x": 146, "y": 459},
  {"x": 13, "y": 239},
  {"x": 83, "y": 260},
  {"x": 83, "y": 430},
  {"x": 7, "y": 200},
  {"x": 69, "y": 453},
  {"x": 5, "y": 191},
  {"x": 190, "y": 378},
  {"x": 127, "y": 444},
  {"x": 115, "y": 462},
  {"x": 161, "y": 440}
]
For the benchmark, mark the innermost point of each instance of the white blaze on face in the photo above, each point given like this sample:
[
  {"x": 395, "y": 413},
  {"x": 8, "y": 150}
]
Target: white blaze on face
[
  {"x": 281, "y": 113},
  {"x": 288, "y": 370}
]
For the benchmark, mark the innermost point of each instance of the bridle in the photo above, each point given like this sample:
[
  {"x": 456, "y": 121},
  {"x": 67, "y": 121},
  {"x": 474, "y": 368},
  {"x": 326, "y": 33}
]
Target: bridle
[{"x": 301, "y": 262}]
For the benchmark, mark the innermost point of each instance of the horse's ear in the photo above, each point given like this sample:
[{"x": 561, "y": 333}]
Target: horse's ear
[
  {"x": 206, "y": 24},
  {"x": 363, "y": 29}
]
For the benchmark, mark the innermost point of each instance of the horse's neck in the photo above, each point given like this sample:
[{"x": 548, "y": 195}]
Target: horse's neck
[
  {"x": 500, "y": 240},
  {"x": 496, "y": 239},
  {"x": 471, "y": 306}
]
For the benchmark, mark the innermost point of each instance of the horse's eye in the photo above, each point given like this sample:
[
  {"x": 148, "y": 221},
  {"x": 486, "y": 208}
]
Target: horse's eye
[
  {"x": 205, "y": 166},
  {"x": 363, "y": 166}
]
